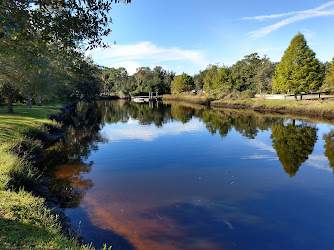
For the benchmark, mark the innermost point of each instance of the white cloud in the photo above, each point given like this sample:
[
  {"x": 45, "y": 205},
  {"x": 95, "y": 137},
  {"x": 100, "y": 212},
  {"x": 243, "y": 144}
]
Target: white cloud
[
  {"x": 323, "y": 10},
  {"x": 130, "y": 66},
  {"x": 262, "y": 18},
  {"x": 132, "y": 53}
]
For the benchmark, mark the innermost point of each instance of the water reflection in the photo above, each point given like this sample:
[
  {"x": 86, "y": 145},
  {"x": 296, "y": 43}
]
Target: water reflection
[
  {"x": 66, "y": 160},
  {"x": 329, "y": 147},
  {"x": 122, "y": 111},
  {"x": 153, "y": 174},
  {"x": 293, "y": 144}
]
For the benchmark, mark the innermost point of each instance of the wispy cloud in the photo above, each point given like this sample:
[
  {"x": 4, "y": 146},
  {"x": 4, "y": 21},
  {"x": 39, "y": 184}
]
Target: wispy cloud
[
  {"x": 130, "y": 53},
  {"x": 326, "y": 9},
  {"x": 262, "y": 18}
]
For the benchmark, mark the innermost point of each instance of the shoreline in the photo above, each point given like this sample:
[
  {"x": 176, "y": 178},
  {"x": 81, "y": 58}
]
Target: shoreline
[
  {"x": 319, "y": 108},
  {"x": 311, "y": 108},
  {"x": 37, "y": 189},
  {"x": 52, "y": 202}
]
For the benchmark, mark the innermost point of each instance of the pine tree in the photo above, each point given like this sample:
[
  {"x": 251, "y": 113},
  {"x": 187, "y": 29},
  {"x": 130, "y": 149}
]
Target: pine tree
[
  {"x": 329, "y": 81},
  {"x": 299, "y": 70}
]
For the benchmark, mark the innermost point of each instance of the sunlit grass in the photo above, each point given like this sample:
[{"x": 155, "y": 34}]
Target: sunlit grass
[
  {"x": 25, "y": 223},
  {"x": 24, "y": 119}
]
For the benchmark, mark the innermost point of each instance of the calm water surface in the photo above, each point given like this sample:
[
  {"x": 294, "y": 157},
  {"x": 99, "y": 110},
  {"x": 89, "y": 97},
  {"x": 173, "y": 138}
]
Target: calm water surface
[{"x": 148, "y": 176}]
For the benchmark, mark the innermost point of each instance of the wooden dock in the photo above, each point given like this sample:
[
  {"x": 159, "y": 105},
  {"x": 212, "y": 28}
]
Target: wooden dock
[{"x": 152, "y": 97}]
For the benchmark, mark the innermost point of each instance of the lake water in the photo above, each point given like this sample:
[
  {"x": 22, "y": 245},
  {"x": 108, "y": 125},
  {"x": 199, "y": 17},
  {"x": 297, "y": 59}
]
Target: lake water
[{"x": 173, "y": 176}]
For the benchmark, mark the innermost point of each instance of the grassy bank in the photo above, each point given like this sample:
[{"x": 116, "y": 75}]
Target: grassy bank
[
  {"x": 26, "y": 224},
  {"x": 319, "y": 108},
  {"x": 201, "y": 99},
  {"x": 24, "y": 220},
  {"x": 322, "y": 108}
]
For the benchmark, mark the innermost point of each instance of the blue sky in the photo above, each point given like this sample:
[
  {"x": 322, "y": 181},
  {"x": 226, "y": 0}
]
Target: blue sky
[{"x": 187, "y": 35}]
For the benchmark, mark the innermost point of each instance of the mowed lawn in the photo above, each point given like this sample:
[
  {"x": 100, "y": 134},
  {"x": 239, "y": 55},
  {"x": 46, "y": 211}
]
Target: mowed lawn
[{"x": 24, "y": 119}]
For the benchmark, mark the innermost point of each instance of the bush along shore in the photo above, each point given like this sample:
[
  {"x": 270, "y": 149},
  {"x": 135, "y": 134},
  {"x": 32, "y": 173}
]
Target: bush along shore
[{"x": 30, "y": 216}]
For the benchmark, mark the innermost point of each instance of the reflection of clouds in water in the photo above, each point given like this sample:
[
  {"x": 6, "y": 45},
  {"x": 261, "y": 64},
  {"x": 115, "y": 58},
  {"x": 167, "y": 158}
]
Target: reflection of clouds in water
[
  {"x": 260, "y": 145},
  {"x": 319, "y": 162},
  {"x": 260, "y": 157},
  {"x": 155, "y": 224},
  {"x": 316, "y": 161},
  {"x": 134, "y": 131}
]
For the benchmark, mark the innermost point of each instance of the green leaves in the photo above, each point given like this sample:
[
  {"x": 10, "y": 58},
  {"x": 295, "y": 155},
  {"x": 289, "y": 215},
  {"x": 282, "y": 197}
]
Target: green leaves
[
  {"x": 329, "y": 80},
  {"x": 182, "y": 83},
  {"x": 216, "y": 79},
  {"x": 298, "y": 70}
]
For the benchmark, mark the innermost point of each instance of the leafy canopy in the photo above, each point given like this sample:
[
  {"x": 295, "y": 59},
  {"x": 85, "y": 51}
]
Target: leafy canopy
[{"x": 182, "y": 83}]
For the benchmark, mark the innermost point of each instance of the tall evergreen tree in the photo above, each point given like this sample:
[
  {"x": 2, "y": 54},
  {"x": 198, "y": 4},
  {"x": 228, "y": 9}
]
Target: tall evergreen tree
[
  {"x": 329, "y": 80},
  {"x": 299, "y": 70}
]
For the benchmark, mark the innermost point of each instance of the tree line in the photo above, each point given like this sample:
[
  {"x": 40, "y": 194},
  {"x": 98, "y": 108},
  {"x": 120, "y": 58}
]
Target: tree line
[
  {"x": 42, "y": 49},
  {"x": 298, "y": 71},
  {"x": 145, "y": 80},
  {"x": 42, "y": 57}
]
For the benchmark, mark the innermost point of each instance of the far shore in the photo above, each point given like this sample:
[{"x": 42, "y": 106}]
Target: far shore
[{"x": 315, "y": 108}]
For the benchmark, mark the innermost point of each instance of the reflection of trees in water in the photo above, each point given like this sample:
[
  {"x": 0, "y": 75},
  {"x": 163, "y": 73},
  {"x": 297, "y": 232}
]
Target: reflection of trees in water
[
  {"x": 122, "y": 111},
  {"x": 329, "y": 148},
  {"x": 247, "y": 124},
  {"x": 293, "y": 144},
  {"x": 215, "y": 120},
  {"x": 65, "y": 160}
]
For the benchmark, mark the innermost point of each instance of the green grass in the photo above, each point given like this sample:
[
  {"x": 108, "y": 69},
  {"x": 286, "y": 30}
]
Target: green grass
[
  {"x": 25, "y": 223},
  {"x": 24, "y": 120}
]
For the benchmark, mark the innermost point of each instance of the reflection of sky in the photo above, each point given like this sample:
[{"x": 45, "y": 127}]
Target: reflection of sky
[
  {"x": 193, "y": 190},
  {"x": 316, "y": 160},
  {"x": 135, "y": 131}
]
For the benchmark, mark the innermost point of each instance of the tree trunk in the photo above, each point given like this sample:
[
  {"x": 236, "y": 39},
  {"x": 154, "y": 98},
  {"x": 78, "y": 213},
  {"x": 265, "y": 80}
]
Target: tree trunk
[
  {"x": 39, "y": 98},
  {"x": 10, "y": 102},
  {"x": 29, "y": 99}
]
